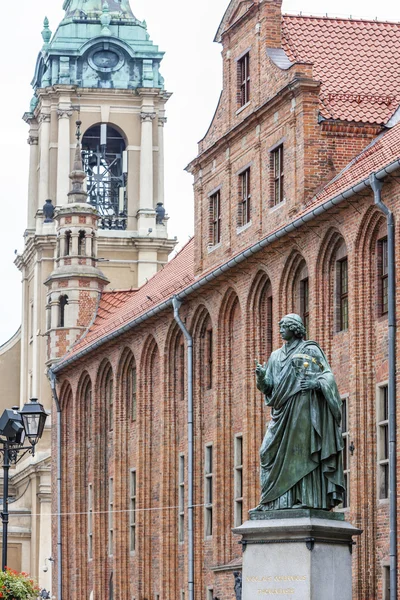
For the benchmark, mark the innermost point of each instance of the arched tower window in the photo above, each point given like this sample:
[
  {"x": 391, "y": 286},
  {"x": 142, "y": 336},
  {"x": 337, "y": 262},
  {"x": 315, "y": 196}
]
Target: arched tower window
[
  {"x": 63, "y": 301},
  {"x": 68, "y": 243},
  {"x": 104, "y": 162},
  {"x": 82, "y": 243}
]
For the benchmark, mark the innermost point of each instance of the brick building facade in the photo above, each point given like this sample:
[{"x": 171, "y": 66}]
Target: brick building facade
[{"x": 285, "y": 221}]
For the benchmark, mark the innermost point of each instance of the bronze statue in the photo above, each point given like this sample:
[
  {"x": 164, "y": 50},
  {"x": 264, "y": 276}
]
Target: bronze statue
[{"x": 301, "y": 454}]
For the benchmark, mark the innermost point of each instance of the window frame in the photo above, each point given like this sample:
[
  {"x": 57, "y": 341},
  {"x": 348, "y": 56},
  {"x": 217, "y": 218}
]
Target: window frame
[
  {"x": 243, "y": 77},
  {"x": 208, "y": 490},
  {"x": 215, "y": 217},
  {"x": 90, "y": 521},
  {"x": 346, "y": 451},
  {"x": 343, "y": 294},
  {"x": 244, "y": 208},
  {"x": 277, "y": 162},
  {"x": 109, "y": 397},
  {"x": 132, "y": 509},
  {"x": 238, "y": 479},
  {"x": 133, "y": 391},
  {"x": 383, "y": 276},
  {"x": 382, "y": 445},
  {"x": 305, "y": 303},
  {"x": 209, "y": 357},
  {"x": 181, "y": 498},
  {"x": 111, "y": 516}
]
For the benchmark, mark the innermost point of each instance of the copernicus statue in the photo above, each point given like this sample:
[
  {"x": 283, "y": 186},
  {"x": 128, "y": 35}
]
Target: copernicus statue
[{"x": 301, "y": 454}]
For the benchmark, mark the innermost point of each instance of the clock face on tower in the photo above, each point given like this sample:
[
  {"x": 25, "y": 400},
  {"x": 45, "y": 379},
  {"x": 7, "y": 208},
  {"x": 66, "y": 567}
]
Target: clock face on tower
[{"x": 106, "y": 60}]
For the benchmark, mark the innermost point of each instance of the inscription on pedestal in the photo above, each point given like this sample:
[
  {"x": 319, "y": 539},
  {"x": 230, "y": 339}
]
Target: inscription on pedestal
[{"x": 274, "y": 584}]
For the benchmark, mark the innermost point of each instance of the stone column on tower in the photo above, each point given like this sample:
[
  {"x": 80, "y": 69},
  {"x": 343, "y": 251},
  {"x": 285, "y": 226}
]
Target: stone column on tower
[
  {"x": 146, "y": 213},
  {"x": 161, "y": 122},
  {"x": 33, "y": 180},
  {"x": 64, "y": 113},
  {"x": 44, "y": 137}
]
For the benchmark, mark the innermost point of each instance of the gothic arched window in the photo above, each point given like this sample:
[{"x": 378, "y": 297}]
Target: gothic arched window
[{"x": 62, "y": 303}]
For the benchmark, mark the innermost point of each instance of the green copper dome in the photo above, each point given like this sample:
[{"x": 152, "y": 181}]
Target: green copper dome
[{"x": 99, "y": 44}]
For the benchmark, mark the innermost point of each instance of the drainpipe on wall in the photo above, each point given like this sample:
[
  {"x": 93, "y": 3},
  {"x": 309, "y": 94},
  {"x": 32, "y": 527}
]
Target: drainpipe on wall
[
  {"x": 52, "y": 379},
  {"x": 376, "y": 186},
  {"x": 176, "y": 305}
]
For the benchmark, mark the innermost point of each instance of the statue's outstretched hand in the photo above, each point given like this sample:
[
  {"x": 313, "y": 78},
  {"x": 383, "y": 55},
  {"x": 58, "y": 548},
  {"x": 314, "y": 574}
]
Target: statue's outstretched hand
[{"x": 261, "y": 370}]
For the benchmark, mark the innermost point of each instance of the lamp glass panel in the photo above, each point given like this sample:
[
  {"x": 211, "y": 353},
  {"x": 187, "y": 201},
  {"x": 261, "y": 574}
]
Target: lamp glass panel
[{"x": 31, "y": 423}]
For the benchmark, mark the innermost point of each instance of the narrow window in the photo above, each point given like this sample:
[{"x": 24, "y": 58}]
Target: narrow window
[
  {"x": 133, "y": 388},
  {"x": 209, "y": 358},
  {"x": 181, "y": 499},
  {"x": 210, "y": 594},
  {"x": 277, "y": 175},
  {"x": 386, "y": 583},
  {"x": 132, "y": 512},
  {"x": 238, "y": 480},
  {"x": 208, "y": 486},
  {"x": 82, "y": 243},
  {"x": 346, "y": 452},
  {"x": 182, "y": 370},
  {"x": 304, "y": 303},
  {"x": 383, "y": 442},
  {"x": 111, "y": 517},
  {"x": 215, "y": 218},
  {"x": 182, "y": 595},
  {"x": 62, "y": 303},
  {"x": 343, "y": 295},
  {"x": 48, "y": 315},
  {"x": 68, "y": 244},
  {"x": 244, "y": 198},
  {"x": 90, "y": 521},
  {"x": 89, "y": 410},
  {"x": 383, "y": 275},
  {"x": 110, "y": 400},
  {"x": 243, "y": 71}
]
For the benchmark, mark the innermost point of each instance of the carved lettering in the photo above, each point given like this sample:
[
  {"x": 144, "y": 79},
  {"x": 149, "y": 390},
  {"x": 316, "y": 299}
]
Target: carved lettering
[{"x": 276, "y": 591}]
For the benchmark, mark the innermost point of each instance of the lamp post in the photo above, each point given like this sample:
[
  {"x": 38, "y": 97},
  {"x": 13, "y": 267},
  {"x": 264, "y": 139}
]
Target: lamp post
[{"x": 15, "y": 425}]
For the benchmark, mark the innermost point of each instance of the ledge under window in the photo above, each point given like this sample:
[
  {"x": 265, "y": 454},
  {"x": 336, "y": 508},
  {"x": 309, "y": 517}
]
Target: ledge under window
[
  {"x": 239, "y": 110},
  {"x": 212, "y": 248},
  {"x": 277, "y": 206},
  {"x": 243, "y": 227}
]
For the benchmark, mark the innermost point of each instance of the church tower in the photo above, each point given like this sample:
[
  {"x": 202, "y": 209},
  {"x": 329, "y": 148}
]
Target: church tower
[
  {"x": 75, "y": 285},
  {"x": 100, "y": 68}
]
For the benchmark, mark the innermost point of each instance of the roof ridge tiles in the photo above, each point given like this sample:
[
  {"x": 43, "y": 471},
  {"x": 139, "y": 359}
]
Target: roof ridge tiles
[{"x": 344, "y": 18}]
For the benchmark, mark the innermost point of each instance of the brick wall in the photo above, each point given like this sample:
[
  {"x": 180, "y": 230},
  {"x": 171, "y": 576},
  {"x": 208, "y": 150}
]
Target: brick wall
[{"x": 233, "y": 306}]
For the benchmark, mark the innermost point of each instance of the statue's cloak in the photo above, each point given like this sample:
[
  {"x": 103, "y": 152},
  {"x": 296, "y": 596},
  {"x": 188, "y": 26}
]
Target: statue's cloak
[{"x": 301, "y": 458}]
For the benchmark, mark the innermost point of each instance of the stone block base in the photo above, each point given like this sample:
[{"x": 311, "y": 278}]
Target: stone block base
[{"x": 297, "y": 554}]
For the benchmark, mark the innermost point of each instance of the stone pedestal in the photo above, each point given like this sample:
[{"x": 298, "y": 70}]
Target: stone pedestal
[{"x": 297, "y": 554}]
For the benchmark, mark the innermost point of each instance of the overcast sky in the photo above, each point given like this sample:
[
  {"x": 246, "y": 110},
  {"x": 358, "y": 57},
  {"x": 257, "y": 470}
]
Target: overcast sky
[{"x": 192, "y": 70}]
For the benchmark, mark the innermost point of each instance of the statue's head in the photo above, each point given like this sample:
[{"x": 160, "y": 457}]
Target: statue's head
[{"x": 295, "y": 324}]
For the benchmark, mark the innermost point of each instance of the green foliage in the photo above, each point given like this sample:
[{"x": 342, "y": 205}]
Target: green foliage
[{"x": 17, "y": 586}]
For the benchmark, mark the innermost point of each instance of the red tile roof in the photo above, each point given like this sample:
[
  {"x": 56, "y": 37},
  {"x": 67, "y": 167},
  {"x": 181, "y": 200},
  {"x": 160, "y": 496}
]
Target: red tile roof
[
  {"x": 120, "y": 307},
  {"x": 357, "y": 62},
  {"x": 384, "y": 150}
]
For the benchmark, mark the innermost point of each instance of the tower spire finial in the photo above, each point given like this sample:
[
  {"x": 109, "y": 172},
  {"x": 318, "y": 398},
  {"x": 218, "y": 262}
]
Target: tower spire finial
[{"x": 78, "y": 175}]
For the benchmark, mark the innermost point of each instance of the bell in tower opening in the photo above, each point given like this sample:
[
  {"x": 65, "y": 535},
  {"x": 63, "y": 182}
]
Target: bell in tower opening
[{"x": 105, "y": 164}]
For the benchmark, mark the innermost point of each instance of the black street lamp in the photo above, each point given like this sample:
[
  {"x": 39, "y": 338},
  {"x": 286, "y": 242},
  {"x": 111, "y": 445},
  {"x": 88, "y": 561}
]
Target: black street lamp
[{"x": 15, "y": 425}]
